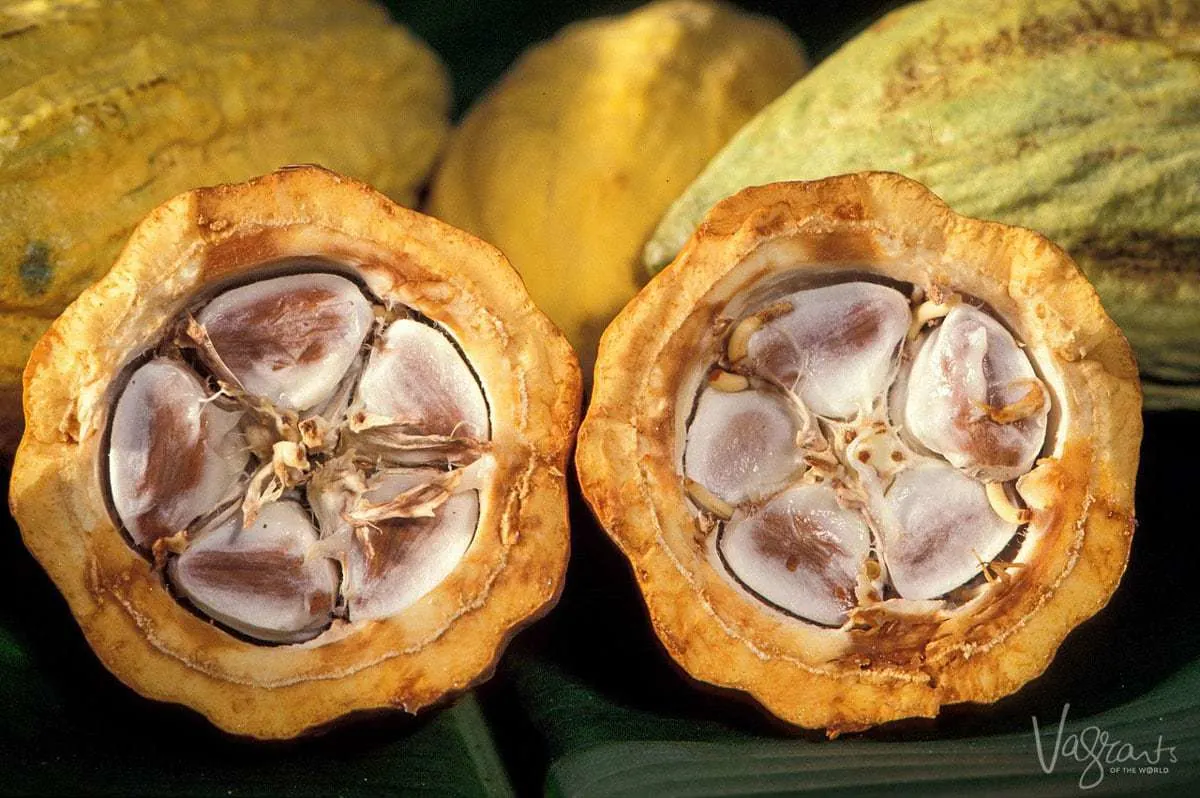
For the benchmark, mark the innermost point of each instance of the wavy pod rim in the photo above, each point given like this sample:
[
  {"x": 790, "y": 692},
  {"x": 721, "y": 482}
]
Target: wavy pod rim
[
  {"x": 450, "y": 639},
  {"x": 1081, "y": 491}
]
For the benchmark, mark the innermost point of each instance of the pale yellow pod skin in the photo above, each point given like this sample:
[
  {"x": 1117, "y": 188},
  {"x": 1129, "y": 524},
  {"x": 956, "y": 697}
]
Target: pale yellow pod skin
[
  {"x": 1079, "y": 120},
  {"x": 570, "y": 160},
  {"x": 106, "y": 112}
]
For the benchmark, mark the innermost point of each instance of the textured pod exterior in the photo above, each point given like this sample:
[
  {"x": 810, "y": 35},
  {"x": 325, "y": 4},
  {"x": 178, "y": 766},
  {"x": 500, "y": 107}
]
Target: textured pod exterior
[
  {"x": 45, "y": 37},
  {"x": 107, "y": 110},
  {"x": 906, "y": 662},
  {"x": 1079, "y": 120},
  {"x": 443, "y": 643},
  {"x": 571, "y": 159}
]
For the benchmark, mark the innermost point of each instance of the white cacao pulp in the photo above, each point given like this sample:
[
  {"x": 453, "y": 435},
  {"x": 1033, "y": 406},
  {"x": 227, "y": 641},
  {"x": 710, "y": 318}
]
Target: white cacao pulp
[
  {"x": 749, "y": 445},
  {"x": 801, "y": 551},
  {"x": 834, "y": 348},
  {"x": 291, "y": 339},
  {"x": 174, "y": 455},
  {"x": 263, "y": 580},
  {"x": 972, "y": 397},
  {"x": 294, "y": 454},
  {"x": 842, "y": 465}
]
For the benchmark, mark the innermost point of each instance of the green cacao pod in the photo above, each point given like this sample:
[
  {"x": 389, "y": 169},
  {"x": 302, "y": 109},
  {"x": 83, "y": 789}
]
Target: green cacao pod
[
  {"x": 108, "y": 109},
  {"x": 1080, "y": 120}
]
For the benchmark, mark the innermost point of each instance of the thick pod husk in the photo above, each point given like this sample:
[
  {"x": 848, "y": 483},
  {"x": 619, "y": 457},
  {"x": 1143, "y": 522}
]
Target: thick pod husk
[
  {"x": 107, "y": 110},
  {"x": 1078, "y": 120},
  {"x": 892, "y": 664},
  {"x": 440, "y": 645},
  {"x": 572, "y": 158}
]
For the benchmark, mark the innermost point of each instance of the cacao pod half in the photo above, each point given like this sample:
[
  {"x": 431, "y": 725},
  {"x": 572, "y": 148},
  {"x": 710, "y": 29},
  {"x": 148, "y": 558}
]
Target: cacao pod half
[
  {"x": 866, "y": 457},
  {"x": 570, "y": 160},
  {"x": 109, "y": 109},
  {"x": 1078, "y": 120},
  {"x": 300, "y": 453}
]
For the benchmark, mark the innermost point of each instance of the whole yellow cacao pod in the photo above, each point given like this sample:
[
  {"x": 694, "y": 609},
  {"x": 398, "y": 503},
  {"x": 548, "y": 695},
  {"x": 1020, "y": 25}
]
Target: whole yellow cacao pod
[
  {"x": 1080, "y": 120},
  {"x": 108, "y": 109},
  {"x": 570, "y": 160}
]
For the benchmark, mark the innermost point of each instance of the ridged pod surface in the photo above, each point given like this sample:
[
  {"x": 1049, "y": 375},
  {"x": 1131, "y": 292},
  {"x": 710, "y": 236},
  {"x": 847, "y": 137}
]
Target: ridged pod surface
[
  {"x": 1079, "y": 120},
  {"x": 570, "y": 160},
  {"x": 300, "y": 453},
  {"x": 107, "y": 110},
  {"x": 866, "y": 457}
]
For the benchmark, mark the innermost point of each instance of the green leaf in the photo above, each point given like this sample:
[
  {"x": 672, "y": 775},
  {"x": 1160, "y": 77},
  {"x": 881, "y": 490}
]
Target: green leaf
[{"x": 615, "y": 717}]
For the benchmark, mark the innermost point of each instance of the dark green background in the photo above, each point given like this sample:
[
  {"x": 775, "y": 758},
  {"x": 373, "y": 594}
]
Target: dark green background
[
  {"x": 479, "y": 40},
  {"x": 585, "y": 702}
]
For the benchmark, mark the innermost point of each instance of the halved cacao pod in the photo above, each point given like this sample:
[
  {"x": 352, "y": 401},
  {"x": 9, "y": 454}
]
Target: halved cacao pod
[
  {"x": 867, "y": 457},
  {"x": 300, "y": 453}
]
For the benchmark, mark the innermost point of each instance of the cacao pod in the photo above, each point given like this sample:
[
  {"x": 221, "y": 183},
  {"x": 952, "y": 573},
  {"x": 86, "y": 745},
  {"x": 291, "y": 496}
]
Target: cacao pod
[
  {"x": 1078, "y": 120},
  {"x": 106, "y": 110},
  {"x": 866, "y": 457},
  {"x": 299, "y": 453}
]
